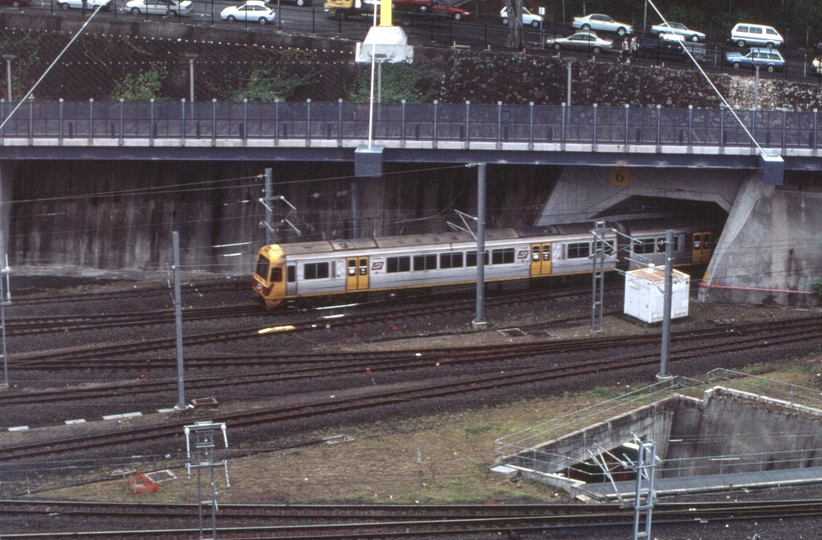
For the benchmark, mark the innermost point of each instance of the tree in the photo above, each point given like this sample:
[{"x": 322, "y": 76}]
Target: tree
[
  {"x": 514, "y": 10},
  {"x": 145, "y": 86},
  {"x": 805, "y": 15}
]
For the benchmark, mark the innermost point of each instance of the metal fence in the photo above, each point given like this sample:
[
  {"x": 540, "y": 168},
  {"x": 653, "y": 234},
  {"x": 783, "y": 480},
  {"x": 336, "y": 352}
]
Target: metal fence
[{"x": 500, "y": 123}]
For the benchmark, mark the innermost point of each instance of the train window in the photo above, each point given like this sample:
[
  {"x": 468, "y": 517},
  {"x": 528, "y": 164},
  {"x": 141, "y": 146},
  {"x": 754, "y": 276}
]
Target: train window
[
  {"x": 292, "y": 273},
  {"x": 579, "y": 250},
  {"x": 451, "y": 260},
  {"x": 363, "y": 267},
  {"x": 397, "y": 264},
  {"x": 644, "y": 246},
  {"x": 471, "y": 258},
  {"x": 277, "y": 274},
  {"x": 502, "y": 256},
  {"x": 315, "y": 270},
  {"x": 660, "y": 244},
  {"x": 352, "y": 267},
  {"x": 425, "y": 262},
  {"x": 262, "y": 267}
]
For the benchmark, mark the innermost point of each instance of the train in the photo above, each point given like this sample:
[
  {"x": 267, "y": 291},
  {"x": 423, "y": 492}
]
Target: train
[{"x": 389, "y": 264}]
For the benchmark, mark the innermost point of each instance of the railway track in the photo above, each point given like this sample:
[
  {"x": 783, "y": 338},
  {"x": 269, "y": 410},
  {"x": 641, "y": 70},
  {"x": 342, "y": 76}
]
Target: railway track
[
  {"x": 56, "y": 358},
  {"x": 371, "y": 521},
  {"x": 296, "y": 367},
  {"x": 767, "y": 334}
]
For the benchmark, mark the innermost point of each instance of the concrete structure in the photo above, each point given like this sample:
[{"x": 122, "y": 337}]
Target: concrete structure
[
  {"x": 725, "y": 431},
  {"x": 769, "y": 251}
]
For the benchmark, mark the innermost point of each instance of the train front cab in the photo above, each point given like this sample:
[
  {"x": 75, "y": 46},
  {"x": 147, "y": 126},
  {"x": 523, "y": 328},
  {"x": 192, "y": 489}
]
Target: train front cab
[
  {"x": 540, "y": 259},
  {"x": 268, "y": 276},
  {"x": 356, "y": 276},
  {"x": 702, "y": 247}
]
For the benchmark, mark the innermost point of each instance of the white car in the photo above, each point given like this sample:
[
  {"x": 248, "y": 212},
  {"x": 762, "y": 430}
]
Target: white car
[
  {"x": 91, "y": 5},
  {"x": 679, "y": 29},
  {"x": 158, "y": 7},
  {"x": 603, "y": 23},
  {"x": 528, "y": 18},
  {"x": 251, "y": 11}
]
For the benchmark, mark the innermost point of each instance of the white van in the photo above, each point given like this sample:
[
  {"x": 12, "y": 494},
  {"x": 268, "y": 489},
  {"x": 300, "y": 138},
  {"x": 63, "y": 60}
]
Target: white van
[{"x": 744, "y": 34}]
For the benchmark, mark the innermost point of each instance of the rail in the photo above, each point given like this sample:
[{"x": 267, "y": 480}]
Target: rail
[{"x": 490, "y": 126}]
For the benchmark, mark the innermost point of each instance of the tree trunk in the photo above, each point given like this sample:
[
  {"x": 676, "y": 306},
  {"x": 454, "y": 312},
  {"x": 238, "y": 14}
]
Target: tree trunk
[{"x": 514, "y": 9}]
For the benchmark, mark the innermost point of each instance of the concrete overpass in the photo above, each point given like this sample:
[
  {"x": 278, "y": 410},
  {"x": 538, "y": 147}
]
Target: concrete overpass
[{"x": 769, "y": 251}]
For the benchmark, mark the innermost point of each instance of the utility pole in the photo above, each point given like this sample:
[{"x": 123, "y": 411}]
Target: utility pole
[
  {"x": 178, "y": 318},
  {"x": 5, "y": 300},
  {"x": 479, "y": 321},
  {"x": 204, "y": 446},
  {"x": 666, "y": 304}
]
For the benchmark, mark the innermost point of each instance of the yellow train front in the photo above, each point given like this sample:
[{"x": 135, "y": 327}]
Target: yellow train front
[{"x": 396, "y": 263}]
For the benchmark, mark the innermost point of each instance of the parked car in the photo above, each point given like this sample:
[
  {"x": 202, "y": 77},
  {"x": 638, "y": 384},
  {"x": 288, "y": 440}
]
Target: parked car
[
  {"x": 15, "y": 3},
  {"x": 678, "y": 29},
  {"x": 602, "y": 23},
  {"x": 528, "y": 18},
  {"x": 251, "y": 11},
  {"x": 430, "y": 7},
  {"x": 744, "y": 34},
  {"x": 581, "y": 41},
  {"x": 817, "y": 65},
  {"x": 299, "y": 3},
  {"x": 174, "y": 8},
  {"x": 670, "y": 46},
  {"x": 767, "y": 59},
  {"x": 91, "y": 5}
]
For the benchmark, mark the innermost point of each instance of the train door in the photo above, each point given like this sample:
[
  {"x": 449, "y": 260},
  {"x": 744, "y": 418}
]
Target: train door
[
  {"x": 702, "y": 247},
  {"x": 291, "y": 279},
  {"x": 540, "y": 259},
  {"x": 356, "y": 278}
]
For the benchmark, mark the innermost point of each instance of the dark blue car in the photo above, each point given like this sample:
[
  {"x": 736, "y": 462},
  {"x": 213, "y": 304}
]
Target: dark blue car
[{"x": 767, "y": 59}]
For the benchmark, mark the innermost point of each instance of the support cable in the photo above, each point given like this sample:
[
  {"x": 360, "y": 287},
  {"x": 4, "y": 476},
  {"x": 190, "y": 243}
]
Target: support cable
[
  {"x": 43, "y": 76},
  {"x": 715, "y": 89}
]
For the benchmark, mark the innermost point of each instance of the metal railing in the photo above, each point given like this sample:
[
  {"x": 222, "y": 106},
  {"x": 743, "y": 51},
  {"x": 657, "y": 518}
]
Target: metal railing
[{"x": 403, "y": 122}]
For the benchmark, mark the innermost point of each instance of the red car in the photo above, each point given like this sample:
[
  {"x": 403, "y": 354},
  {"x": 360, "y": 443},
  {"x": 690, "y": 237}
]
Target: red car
[{"x": 432, "y": 7}]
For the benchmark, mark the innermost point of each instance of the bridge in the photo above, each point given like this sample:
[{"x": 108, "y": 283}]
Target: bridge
[
  {"x": 767, "y": 252},
  {"x": 410, "y": 132}
]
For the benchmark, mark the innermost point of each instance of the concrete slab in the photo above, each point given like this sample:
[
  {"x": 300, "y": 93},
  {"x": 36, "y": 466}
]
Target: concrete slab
[{"x": 714, "y": 482}]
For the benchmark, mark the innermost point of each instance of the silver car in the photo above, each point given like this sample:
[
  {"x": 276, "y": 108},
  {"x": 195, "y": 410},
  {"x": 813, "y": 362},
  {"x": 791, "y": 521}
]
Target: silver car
[
  {"x": 678, "y": 29},
  {"x": 602, "y": 23},
  {"x": 581, "y": 41},
  {"x": 174, "y": 8}
]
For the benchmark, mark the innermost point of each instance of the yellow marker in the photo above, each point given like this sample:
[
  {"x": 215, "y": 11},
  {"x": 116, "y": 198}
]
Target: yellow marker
[
  {"x": 619, "y": 177},
  {"x": 285, "y": 328},
  {"x": 385, "y": 13}
]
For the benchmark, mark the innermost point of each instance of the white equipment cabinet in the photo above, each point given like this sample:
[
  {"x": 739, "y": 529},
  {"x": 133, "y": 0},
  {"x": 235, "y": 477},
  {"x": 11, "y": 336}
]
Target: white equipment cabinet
[{"x": 645, "y": 294}]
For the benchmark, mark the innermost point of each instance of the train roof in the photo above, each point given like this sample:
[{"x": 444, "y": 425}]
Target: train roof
[
  {"x": 455, "y": 237},
  {"x": 385, "y": 242},
  {"x": 562, "y": 228}
]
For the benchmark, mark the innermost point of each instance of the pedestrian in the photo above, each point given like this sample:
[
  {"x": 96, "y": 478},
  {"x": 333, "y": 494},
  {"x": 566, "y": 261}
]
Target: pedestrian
[
  {"x": 85, "y": 5},
  {"x": 634, "y": 46},
  {"x": 626, "y": 49}
]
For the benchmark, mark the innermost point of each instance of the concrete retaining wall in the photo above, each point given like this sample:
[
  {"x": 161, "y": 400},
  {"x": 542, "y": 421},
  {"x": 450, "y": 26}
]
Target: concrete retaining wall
[
  {"x": 77, "y": 215},
  {"x": 733, "y": 426}
]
